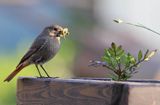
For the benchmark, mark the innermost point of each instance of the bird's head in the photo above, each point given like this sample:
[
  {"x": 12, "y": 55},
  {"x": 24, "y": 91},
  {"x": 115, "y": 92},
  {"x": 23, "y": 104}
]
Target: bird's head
[{"x": 57, "y": 31}]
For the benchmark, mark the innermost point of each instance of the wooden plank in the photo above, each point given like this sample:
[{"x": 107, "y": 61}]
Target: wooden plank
[
  {"x": 49, "y": 91},
  {"x": 46, "y": 91}
]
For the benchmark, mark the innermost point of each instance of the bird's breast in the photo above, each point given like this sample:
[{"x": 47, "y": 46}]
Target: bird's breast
[
  {"x": 48, "y": 51},
  {"x": 54, "y": 45}
]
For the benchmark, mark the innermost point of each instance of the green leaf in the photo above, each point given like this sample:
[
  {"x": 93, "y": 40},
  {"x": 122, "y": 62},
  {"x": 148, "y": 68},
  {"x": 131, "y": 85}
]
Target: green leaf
[
  {"x": 106, "y": 59},
  {"x": 106, "y": 53},
  {"x": 123, "y": 59},
  {"x": 111, "y": 51},
  {"x": 113, "y": 45},
  {"x": 131, "y": 59},
  {"x": 140, "y": 55},
  {"x": 120, "y": 53},
  {"x": 119, "y": 48}
]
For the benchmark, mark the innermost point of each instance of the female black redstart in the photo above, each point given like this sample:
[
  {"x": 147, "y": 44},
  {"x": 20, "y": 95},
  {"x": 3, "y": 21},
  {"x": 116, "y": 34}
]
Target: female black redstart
[{"x": 44, "y": 48}]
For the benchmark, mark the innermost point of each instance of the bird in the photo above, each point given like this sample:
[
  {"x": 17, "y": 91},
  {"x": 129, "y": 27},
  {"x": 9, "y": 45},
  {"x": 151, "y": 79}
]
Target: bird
[{"x": 44, "y": 48}]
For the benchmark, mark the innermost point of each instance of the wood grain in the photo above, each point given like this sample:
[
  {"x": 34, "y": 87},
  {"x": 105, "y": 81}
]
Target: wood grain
[{"x": 49, "y": 91}]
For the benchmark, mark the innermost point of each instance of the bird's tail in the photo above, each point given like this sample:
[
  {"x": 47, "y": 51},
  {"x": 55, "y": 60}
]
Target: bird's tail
[{"x": 16, "y": 71}]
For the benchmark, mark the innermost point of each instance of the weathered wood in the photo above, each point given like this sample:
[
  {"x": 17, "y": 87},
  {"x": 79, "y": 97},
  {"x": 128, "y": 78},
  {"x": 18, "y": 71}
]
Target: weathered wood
[{"x": 49, "y": 91}]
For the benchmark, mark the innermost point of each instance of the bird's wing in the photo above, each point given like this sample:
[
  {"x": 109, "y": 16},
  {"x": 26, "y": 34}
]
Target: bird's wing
[{"x": 36, "y": 46}]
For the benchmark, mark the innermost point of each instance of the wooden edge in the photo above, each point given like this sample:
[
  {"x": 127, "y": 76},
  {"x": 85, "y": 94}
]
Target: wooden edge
[{"x": 95, "y": 80}]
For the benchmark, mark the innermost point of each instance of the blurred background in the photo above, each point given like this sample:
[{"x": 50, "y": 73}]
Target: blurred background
[{"x": 92, "y": 29}]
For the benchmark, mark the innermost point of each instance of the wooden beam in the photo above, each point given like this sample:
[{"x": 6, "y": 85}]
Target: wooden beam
[{"x": 49, "y": 91}]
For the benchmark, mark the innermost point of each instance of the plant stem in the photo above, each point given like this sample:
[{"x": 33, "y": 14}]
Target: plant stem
[
  {"x": 137, "y": 25},
  {"x": 142, "y": 26},
  {"x": 109, "y": 68},
  {"x": 100, "y": 63},
  {"x": 119, "y": 71},
  {"x": 140, "y": 60}
]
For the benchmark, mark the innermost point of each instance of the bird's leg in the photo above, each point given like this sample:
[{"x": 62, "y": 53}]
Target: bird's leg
[
  {"x": 45, "y": 71},
  {"x": 38, "y": 70}
]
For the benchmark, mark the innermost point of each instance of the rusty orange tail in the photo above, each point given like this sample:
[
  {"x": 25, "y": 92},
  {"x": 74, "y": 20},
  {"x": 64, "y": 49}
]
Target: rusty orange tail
[{"x": 16, "y": 71}]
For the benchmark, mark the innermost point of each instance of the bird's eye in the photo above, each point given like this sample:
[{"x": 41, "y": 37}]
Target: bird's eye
[{"x": 55, "y": 29}]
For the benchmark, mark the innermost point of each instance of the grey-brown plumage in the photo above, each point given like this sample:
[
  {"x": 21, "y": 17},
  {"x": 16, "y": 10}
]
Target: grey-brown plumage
[{"x": 44, "y": 48}]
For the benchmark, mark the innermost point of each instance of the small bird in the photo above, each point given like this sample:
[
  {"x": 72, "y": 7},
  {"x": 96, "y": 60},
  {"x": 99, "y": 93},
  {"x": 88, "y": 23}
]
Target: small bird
[{"x": 43, "y": 49}]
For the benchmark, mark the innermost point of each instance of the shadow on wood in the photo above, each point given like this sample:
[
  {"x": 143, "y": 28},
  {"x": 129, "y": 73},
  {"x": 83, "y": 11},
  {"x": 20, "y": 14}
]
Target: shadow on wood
[{"x": 49, "y": 91}]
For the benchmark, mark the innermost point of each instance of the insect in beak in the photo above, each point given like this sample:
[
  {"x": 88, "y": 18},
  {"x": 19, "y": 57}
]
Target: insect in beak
[{"x": 64, "y": 32}]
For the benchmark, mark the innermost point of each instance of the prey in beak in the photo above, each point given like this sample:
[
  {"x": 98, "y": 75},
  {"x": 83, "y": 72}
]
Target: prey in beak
[{"x": 64, "y": 32}]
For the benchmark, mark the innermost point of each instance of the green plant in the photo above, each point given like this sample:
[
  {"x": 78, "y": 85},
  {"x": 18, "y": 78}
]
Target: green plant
[{"x": 123, "y": 64}]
